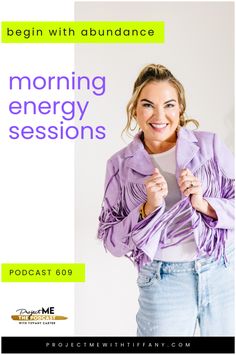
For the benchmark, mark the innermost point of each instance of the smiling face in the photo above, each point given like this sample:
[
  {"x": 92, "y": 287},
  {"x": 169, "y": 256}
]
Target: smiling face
[{"x": 157, "y": 114}]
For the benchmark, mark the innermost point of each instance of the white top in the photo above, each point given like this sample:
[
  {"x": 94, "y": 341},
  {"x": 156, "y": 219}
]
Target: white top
[{"x": 186, "y": 250}]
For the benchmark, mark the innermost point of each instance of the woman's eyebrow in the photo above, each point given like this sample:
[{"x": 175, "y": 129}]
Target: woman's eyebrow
[
  {"x": 169, "y": 101},
  {"x": 147, "y": 101},
  {"x": 150, "y": 102}
]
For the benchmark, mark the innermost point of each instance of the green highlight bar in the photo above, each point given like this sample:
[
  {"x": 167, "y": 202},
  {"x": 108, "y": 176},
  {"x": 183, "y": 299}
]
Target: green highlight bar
[
  {"x": 43, "y": 272},
  {"x": 83, "y": 32}
]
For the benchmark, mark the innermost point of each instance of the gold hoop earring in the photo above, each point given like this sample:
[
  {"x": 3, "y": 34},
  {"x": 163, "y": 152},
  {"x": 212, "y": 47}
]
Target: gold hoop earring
[
  {"x": 177, "y": 128},
  {"x": 136, "y": 124}
]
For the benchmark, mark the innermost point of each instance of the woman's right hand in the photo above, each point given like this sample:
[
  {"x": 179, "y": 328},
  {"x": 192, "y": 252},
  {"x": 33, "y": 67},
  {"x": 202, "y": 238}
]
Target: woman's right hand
[{"x": 157, "y": 190}]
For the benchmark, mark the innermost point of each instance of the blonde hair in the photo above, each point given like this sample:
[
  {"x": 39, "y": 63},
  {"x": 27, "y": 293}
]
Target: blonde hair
[{"x": 156, "y": 72}]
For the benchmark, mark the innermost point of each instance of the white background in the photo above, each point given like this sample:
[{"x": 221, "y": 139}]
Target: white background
[
  {"x": 198, "y": 49},
  {"x": 37, "y": 180}
]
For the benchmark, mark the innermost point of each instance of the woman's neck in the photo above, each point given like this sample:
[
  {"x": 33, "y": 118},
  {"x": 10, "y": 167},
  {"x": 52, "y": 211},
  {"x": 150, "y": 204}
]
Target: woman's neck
[{"x": 158, "y": 147}]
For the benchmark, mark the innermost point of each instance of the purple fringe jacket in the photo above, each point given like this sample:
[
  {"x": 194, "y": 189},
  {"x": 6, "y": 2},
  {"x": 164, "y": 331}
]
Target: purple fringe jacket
[{"x": 120, "y": 228}]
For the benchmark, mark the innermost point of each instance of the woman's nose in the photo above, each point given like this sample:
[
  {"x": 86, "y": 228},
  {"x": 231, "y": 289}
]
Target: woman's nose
[{"x": 158, "y": 113}]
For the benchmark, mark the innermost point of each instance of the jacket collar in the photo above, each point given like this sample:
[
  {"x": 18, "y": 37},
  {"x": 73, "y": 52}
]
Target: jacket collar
[
  {"x": 186, "y": 149},
  {"x": 140, "y": 161}
]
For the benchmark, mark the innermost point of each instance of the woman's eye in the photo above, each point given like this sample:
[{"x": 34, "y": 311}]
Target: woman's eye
[
  {"x": 169, "y": 105},
  {"x": 147, "y": 105}
]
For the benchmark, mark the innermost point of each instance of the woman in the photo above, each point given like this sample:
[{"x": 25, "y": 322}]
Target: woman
[{"x": 168, "y": 205}]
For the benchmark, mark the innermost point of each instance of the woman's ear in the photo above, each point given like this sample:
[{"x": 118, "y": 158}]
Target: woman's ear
[{"x": 180, "y": 110}]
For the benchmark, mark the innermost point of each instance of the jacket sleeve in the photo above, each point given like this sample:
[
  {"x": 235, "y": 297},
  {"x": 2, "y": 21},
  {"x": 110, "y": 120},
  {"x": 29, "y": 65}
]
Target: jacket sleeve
[
  {"x": 223, "y": 206},
  {"x": 120, "y": 229}
]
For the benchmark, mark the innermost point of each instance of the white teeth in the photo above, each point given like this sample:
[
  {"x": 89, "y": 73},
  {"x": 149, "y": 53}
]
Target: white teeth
[{"x": 159, "y": 125}]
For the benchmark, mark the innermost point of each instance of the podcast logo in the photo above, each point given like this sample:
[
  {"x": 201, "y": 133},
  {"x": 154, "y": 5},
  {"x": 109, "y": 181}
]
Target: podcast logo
[{"x": 45, "y": 316}]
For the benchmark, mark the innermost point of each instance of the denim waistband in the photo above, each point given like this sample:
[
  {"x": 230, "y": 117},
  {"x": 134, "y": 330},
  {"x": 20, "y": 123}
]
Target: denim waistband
[{"x": 195, "y": 265}]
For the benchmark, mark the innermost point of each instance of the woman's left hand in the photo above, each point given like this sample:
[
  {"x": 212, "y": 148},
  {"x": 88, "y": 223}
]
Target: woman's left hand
[{"x": 190, "y": 185}]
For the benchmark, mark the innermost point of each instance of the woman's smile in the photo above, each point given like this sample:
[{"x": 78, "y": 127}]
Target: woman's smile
[{"x": 158, "y": 127}]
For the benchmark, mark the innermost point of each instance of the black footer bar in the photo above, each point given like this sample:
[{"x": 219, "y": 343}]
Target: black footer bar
[{"x": 109, "y": 345}]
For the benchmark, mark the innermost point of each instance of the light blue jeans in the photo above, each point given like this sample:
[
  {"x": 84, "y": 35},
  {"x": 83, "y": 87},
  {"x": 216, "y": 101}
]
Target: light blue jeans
[{"x": 175, "y": 295}]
